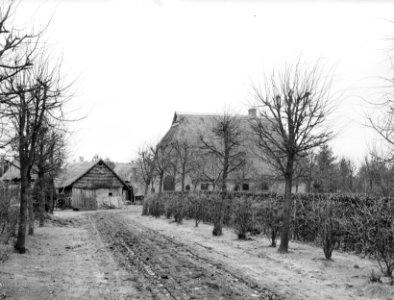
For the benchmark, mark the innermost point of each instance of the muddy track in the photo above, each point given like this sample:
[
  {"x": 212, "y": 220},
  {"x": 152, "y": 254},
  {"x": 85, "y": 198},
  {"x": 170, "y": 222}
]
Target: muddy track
[{"x": 170, "y": 270}]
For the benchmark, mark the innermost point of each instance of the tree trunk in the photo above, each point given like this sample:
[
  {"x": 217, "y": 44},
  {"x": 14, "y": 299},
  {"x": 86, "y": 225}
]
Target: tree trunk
[
  {"x": 145, "y": 208},
  {"x": 51, "y": 202},
  {"x": 30, "y": 204},
  {"x": 31, "y": 213},
  {"x": 42, "y": 209},
  {"x": 284, "y": 241},
  {"x": 273, "y": 237},
  {"x": 41, "y": 203},
  {"x": 309, "y": 184},
  {"x": 183, "y": 183},
  {"x": 21, "y": 237},
  {"x": 52, "y": 198},
  {"x": 161, "y": 182},
  {"x": 218, "y": 222}
]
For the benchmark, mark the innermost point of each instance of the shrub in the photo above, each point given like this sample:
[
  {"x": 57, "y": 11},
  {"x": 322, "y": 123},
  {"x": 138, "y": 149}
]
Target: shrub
[
  {"x": 242, "y": 216},
  {"x": 268, "y": 214},
  {"x": 9, "y": 211},
  {"x": 381, "y": 235},
  {"x": 168, "y": 209},
  {"x": 178, "y": 202},
  {"x": 156, "y": 207},
  {"x": 375, "y": 277},
  {"x": 329, "y": 228},
  {"x": 197, "y": 204}
]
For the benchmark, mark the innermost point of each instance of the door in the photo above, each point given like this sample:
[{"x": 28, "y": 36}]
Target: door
[{"x": 84, "y": 199}]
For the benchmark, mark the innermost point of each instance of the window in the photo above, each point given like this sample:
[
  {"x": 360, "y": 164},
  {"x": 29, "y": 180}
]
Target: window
[
  {"x": 109, "y": 194},
  {"x": 204, "y": 186},
  {"x": 187, "y": 187},
  {"x": 169, "y": 183},
  {"x": 245, "y": 187},
  {"x": 264, "y": 186}
]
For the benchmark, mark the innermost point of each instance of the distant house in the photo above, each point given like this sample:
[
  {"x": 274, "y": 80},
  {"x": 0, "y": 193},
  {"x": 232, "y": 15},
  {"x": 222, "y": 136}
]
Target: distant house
[
  {"x": 128, "y": 172},
  {"x": 13, "y": 174},
  {"x": 255, "y": 176},
  {"x": 92, "y": 185}
]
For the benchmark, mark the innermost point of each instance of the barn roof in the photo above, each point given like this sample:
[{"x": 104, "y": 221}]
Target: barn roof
[{"x": 74, "y": 172}]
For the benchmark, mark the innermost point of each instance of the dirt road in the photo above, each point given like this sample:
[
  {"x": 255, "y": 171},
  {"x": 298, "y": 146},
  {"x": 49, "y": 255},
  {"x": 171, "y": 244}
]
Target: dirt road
[
  {"x": 119, "y": 254},
  {"x": 168, "y": 269}
]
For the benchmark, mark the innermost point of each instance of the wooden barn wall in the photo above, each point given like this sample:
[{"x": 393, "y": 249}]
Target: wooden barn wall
[
  {"x": 83, "y": 198},
  {"x": 98, "y": 177},
  {"x": 107, "y": 196}
]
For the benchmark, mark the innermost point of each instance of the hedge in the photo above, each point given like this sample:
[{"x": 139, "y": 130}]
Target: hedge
[{"x": 347, "y": 222}]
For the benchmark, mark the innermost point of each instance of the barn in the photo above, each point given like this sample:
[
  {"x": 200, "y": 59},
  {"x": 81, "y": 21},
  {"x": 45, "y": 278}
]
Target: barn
[{"x": 93, "y": 185}]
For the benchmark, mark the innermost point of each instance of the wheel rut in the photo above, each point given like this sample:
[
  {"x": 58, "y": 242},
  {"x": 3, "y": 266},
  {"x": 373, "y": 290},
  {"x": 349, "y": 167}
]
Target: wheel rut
[{"x": 168, "y": 269}]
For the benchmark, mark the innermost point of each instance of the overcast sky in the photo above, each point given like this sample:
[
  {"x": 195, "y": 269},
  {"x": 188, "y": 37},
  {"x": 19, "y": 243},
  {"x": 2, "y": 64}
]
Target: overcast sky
[{"x": 138, "y": 61}]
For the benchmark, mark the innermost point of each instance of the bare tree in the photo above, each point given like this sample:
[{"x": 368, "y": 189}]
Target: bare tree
[
  {"x": 198, "y": 173},
  {"x": 30, "y": 99},
  {"x": 163, "y": 162},
  {"x": 225, "y": 144},
  {"x": 376, "y": 175},
  {"x": 146, "y": 163},
  {"x": 245, "y": 172},
  {"x": 49, "y": 157},
  {"x": 185, "y": 159},
  {"x": 12, "y": 44},
  {"x": 292, "y": 112}
]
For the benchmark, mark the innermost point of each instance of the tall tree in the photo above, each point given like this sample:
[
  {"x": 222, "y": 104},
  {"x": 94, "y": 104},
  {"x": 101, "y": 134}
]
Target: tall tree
[
  {"x": 49, "y": 157},
  {"x": 226, "y": 145},
  {"x": 346, "y": 175},
  {"x": 292, "y": 112},
  {"x": 376, "y": 175},
  {"x": 326, "y": 171},
  {"x": 14, "y": 56},
  {"x": 146, "y": 164},
  {"x": 31, "y": 98}
]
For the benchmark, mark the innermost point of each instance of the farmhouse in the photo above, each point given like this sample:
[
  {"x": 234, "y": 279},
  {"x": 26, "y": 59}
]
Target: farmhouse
[
  {"x": 254, "y": 176},
  {"x": 13, "y": 173},
  {"x": 92, "y": 185}
]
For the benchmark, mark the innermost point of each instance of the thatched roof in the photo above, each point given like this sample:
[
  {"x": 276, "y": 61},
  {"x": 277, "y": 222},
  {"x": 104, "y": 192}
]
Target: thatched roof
[
  {"x": 191, "y": 126},
  {"x": 74, "y": 172},
  {"x": 125, "y": 170},
  {"x": 13, "y": 173}
]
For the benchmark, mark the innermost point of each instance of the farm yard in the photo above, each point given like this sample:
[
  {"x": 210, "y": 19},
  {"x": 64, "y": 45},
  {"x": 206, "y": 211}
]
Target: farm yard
[
  {"x": 214, "y": 150},
  {"x": 119, "y": 254}
]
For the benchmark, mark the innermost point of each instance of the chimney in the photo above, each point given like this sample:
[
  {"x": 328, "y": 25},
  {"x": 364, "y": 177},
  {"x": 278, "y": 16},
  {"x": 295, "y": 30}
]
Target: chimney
[{"x": 252, "y": 112}]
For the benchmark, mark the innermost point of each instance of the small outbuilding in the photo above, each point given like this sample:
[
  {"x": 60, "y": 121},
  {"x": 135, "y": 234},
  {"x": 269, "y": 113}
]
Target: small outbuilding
[{"x": 93, "y": 185}]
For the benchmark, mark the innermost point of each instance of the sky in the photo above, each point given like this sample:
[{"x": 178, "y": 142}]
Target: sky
[{"x": 135, "y": 62}]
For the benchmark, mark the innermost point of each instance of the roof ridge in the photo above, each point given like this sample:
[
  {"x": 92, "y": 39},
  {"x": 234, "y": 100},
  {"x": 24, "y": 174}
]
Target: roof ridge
[{"x": 208, "y": 114}]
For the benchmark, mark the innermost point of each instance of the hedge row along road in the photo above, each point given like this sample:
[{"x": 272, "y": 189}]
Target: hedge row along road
[{"x": 166, "y": 269}]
